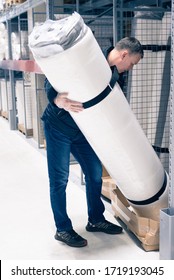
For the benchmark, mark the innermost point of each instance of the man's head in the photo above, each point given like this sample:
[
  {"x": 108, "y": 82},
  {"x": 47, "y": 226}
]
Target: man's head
[{"x": 127, "y": 53}]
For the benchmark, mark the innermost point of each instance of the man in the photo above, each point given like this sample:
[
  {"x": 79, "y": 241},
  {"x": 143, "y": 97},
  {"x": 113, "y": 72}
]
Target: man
[{"x": 64, "y": 137}]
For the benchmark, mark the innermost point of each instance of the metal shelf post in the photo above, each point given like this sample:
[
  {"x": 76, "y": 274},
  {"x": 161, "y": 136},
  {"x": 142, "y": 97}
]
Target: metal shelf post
[
  {"x": 167, "y": 215},
  {"x": 11, "y": 96}
]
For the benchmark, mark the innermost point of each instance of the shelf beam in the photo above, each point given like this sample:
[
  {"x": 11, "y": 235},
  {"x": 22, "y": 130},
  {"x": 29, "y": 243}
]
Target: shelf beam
[
  {"x": 19, "y": 9},
  {"x": 21, "y": 65}
]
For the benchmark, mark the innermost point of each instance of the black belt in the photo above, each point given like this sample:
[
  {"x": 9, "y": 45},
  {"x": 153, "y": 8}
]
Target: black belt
[
  {"x": 100, "y": 96},
  {"x": 153, "y": 198}
]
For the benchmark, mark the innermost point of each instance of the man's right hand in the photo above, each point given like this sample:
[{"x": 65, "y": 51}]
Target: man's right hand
[{"x": 69, "y": 105}]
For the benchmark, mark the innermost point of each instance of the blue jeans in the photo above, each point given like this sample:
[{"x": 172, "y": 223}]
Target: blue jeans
[{"x": 59, "y": 147}]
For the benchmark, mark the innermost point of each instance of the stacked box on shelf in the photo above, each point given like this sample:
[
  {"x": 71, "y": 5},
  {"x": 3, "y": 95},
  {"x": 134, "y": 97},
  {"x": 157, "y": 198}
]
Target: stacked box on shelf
[
  {"x": 24, "y": 44},
  {"x": 9, "y": 3},
  {"x": 4, "y": 88},
  {"x": 1, "y": 5},
  {"x": 3, "y": 42},
  {"x": 24, "y": 108},
  {"x": 20, "y": 48}
]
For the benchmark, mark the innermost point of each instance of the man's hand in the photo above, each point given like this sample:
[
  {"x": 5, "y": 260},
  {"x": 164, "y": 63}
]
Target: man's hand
[{"x": 69, "y": 105}]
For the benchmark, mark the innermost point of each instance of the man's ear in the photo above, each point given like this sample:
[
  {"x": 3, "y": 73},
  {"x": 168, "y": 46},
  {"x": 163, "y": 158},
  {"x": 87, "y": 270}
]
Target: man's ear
[{"x": 124, "y": 54}]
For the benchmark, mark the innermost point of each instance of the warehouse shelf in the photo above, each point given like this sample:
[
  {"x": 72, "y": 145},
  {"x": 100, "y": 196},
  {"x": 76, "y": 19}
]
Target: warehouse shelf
[
  {"x": 21, "y": 65},
  {"x": 19, "y": 69},
  {"x": 17, "y": 10}
]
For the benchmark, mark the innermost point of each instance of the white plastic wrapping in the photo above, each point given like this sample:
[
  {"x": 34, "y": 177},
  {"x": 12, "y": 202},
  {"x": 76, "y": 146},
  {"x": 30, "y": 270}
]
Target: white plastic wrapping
[
  {"x": 3, "y": 41},
  {"x": 4, "y": 98},
  {"x": 149, "y": 85},
  {"x": 24, "y": 104}
]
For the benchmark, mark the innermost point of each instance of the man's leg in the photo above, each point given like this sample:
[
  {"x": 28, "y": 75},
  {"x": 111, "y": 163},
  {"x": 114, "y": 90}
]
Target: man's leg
[
  {"x": 92, "y": 170},
  {"x": 58, "y": 154}
]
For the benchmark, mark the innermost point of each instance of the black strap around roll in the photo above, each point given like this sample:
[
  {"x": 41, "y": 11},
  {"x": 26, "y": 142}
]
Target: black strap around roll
[
  {"x": 161, "y": 150},
  {"x": 153, "y": 198},
  {"x": 100, "y": 96}
]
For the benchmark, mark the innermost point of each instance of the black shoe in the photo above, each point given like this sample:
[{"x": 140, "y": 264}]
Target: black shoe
[
  {"x": 104, "y": 226},
  {"x": 71, "y": 238}
]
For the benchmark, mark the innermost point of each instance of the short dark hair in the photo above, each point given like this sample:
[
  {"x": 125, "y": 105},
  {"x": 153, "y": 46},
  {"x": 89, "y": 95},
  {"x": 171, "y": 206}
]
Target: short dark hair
[{"x": 131, "y": 44}]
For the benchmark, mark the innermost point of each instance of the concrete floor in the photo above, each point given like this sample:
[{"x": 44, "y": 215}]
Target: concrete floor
[{"x": 26, "y": 223}]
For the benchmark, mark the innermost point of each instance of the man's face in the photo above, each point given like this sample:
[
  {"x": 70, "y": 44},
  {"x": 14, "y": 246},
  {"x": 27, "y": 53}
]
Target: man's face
[{"x": 127, "y": 61}]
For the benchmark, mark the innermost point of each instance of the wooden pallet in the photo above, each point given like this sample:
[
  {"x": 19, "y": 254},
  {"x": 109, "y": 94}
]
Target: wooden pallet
[
  {"x": 4, "y": 114},
  {"x": 10, "y": 3},
  {"x": 145, "y": 229},
  {"x": 27, "y": 132}
]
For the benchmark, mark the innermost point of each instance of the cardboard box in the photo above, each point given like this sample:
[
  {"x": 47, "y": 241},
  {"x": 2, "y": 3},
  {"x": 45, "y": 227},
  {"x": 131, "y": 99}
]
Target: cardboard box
[
  {"x": 9, "y": 3},
  {"x": 145, "y": 229},
  {"x": 108, "y": 186},
  {"x": 104, "y": 172}
]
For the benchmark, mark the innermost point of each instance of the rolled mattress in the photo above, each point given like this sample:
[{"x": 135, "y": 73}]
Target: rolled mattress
[
  {"x": 73, "y": 62},
  {"x": 148, "y": 82}
]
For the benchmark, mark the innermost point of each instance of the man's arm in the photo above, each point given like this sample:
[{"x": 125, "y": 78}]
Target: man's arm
[{"x": 61, "y": 100}]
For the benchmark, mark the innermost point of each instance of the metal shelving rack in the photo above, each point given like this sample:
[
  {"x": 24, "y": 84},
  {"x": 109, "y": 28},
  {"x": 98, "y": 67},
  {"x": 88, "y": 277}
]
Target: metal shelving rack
[
  {"x": 120, "y": 19},
  {"x": 10, "y": 65},
  {"x": 22, "y": 16},
  {"x": 115, "y": 11}
]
